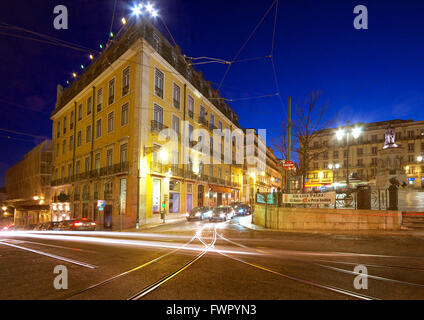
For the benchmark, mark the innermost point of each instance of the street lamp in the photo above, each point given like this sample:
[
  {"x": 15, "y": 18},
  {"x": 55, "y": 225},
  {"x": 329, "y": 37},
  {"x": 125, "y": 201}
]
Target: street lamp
[
  {"x": 420, "y": 158},
  {"x": 340, "y": 134}
]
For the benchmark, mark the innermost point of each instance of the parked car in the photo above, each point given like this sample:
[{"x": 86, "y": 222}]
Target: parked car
[
  {"x": 83, "y": 224},
  {"x": 27, "y": 227},
  {"x": 199, "y": 213},
  {"x": 47, "y": 226},
  {"x": 222, "y": 214},
  {"x": 243, "y": 210}
]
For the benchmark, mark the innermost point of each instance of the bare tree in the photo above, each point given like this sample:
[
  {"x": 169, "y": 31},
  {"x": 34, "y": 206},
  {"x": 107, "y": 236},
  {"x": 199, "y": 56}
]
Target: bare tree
[
  {"x": 310, "y": 123},
  {"x": 280, "y": 142}
]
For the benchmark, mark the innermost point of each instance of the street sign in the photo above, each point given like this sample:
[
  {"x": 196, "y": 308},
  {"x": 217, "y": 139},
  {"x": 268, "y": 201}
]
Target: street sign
[
  {"x": 260, "y": 198},
  {"x": 101, "y": 204},
  {"x": 288, "y": 165}
]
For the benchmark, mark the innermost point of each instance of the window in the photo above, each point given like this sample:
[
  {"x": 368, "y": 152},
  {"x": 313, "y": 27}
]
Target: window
[
  {"x": 125, "y": 81},
  {"x": 110, "y": 121},
  {"x": 325, "y": 143},
  {"x": 156, "y": 42},
  {"x": 202, "y": 113},
  {"x": 158, "y": 114},
  {"x": 70, "y": 170},
  {"x": 345, "y": 153},
  {"x": 176, "y": 94},
  {"x": 111, "y": 91},
  {"x": 88, "y": 134},
  {"x": 374, "y": 138},
  {"x": 325, "y": 175},
  {"x": 211, "y": 121},
  {"x": 78, "y": 167},
  {"x": 124, "y": 114},
  {"x": 399, "y": 135},
  {"x": 79, "y": 138},
  {"x": 159, "y": 79},
  {"x": 79, "y": 112},
  {"x": 411, "y": 159},
  {"x": 220, "y": 125},
  {"x": 99, "y": 128},
  {"x": 359, "y": 152},
  {"x": 62, "y": 172},
  {"x": 176, "y": 124},
  {"x": 360, "y": 162},
  {"x": 71, "y": 121},
  {"x": 124, "y": 153},
  {"x": 190, "y": 132},
  {"x": 99, "y": 99},
  {"x": 325, "y": 156},
  {"x": 374, "y": 150},
  {"x": 87, "y": 164},
  {"x": 71, "y": 142},
  {"x": 325, "y": 166},
  {"x": 109, "y": 158},
  {"x": 89, "y": 105},
  {"x": 315, "y": 166},
  {"x": 97, "y": 161},
  {"x": 64, "y": 125},
  {"x": 58, "y": 129},
  {"x": 316, "y": 144},
  {"x": 190, "y": 107},
  {"x": 64, "y": 147},
  {"x": 411, "y": 147},
  {"x": 335, "y": 154},
  {"x": 374, "y": 161},
  {"x": 410, "y": 134}
]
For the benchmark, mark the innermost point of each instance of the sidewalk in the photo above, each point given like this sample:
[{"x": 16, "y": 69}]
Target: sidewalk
[
  {"x": 247, "y": 222},
  {"x": 157, "y": 221}
]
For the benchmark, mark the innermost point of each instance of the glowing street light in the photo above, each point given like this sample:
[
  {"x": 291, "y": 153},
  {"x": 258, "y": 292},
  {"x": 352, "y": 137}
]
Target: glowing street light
[
  {"x": 420, "y": 158},
  {"x": 137, "y": 10},
  {"x": 154, "y": 13},
  {"x": 356, "y": 132},
  {"x": 149, "y": 8},
  {"x": 4, "y": 208},
  {"x": 124, "y": 21},
  {"x": 164, "y": 155},
  {"x": 340, "y": 134}
]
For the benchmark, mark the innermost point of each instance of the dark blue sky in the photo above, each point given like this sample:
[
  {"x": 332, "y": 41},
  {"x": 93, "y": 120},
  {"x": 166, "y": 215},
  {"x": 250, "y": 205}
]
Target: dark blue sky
[{"x": 365, "y": 75}]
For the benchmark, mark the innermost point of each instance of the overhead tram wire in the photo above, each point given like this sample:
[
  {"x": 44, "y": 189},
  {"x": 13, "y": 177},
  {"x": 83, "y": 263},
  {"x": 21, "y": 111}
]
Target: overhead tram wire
[
  {"x": 277, "y": 85},
  {"x": 246, "y": 42},
  {"x": 70, "y": 45}
]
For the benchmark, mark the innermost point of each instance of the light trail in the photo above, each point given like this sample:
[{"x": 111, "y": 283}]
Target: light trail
[
  {"x": 82, "y": 264},
  {"x": 136, "y": 243}
]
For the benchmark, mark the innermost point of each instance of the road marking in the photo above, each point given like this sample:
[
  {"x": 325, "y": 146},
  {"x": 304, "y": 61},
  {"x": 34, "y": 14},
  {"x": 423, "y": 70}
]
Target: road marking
[{"x": 82, "y": 264}]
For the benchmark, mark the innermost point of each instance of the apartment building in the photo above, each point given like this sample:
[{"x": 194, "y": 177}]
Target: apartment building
[
  {"x": 28, "y": 186},
  {"x": 126, "y": 136},
  {"x": 332, "y": 158}
]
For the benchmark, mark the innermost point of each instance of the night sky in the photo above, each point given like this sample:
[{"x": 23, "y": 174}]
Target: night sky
[{"x": 365, "y": 75}]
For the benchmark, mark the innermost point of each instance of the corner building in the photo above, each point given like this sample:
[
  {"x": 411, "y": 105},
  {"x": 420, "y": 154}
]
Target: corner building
[{"x": 108, "y": 155}]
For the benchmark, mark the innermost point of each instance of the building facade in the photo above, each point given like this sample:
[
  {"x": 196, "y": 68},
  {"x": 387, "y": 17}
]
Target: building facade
[
  {"x": 133, "y": 136},
  {"x": 333, "y": 158},
  {"x": 28, "y": 186}
]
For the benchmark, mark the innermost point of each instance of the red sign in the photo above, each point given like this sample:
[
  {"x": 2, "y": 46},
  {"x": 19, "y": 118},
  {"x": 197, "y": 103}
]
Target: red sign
[{"x": 288, "y": 165}]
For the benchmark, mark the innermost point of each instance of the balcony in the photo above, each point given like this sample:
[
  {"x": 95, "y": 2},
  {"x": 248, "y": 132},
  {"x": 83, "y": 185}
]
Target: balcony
[
  {"x": 111, "y": 99},
  {"x": 95, "y": 173},
  {"x": 159, "y": 167},
  {"x": 99, "y": 107},
  {"x": 125, "y": 90},
  {"x": 122, "y": 167},
  {"x": 157, "y": 126}
]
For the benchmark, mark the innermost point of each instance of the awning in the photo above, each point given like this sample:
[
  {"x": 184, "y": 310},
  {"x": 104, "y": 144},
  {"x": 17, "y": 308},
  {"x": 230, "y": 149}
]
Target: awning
[{"x": 221, "y": 189}]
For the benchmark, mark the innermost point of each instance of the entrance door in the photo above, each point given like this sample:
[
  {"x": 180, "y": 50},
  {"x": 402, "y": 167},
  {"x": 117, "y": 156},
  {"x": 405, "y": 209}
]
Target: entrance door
[
  {"x": 219, "y": 197},
  {"x": 108, "y": 217},
  {"x": 188, "y": 206},
  {"x": 156, "y": 196},
  {"x": 174, "y": 203},
  {"x": 200, "y": 194}
]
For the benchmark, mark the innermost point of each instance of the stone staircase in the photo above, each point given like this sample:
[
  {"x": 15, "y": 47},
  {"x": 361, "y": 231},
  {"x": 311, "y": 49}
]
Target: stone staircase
[{"x": 413, "y": 220}]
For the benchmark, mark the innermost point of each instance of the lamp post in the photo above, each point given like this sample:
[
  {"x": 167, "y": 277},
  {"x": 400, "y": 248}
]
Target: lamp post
[
  {"x": 340, "y": 134},
  {"x": 334, "y": 167}
]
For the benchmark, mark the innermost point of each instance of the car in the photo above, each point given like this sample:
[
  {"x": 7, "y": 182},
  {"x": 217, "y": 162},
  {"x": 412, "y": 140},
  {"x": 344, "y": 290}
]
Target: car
[
  {"x": 222, "y": 213},
  {"x": 243, "y": 210},
  {"x": 83, "y": 224},
  {"x": 199, "y": 213},
  {"x": 47, "y": 226},
  {"x": 27, "y": 227}
]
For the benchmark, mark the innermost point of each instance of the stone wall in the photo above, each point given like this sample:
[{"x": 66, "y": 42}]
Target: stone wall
[{"x": 325, "y": 219}]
